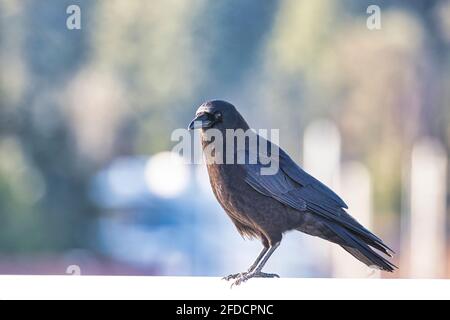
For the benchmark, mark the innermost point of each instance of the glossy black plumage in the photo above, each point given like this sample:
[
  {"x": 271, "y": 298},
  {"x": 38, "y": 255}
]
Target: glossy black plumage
[{"x": 266, "y": 206}]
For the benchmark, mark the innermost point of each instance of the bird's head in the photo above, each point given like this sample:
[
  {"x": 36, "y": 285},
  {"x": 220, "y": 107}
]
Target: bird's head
[{"x": 217, "y": 114}]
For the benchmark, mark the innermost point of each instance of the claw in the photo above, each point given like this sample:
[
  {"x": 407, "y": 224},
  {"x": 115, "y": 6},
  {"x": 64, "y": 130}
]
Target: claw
[
  {"x": 266, "y": 275},
  {"x": 233, "y": 276},
  {"x": 240, "y": 280},
  {"x": 246, "y": 276}
]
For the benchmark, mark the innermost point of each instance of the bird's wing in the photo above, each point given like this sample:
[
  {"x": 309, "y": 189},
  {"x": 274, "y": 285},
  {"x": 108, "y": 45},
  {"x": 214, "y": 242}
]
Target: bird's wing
[
  {"x": 300, "y": 176},
  {"x": 277, "y": 186},
  {"x": 289, "y": 176},
  {"x": 294, "y": 187}
]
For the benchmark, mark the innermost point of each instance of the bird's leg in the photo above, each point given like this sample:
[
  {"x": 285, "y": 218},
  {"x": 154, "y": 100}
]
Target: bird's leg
[
  {"x": 257, "y": 272},
  {"x": 252, "y": 267},
  {"x": 260, "y": 256}
]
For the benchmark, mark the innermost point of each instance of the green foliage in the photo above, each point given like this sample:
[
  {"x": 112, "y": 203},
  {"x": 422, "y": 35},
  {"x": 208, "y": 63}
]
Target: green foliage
[{"x": 71, "y": 101}]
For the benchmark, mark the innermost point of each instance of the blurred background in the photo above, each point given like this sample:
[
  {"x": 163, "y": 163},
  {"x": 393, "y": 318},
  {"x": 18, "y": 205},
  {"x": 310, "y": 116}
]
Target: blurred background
[{"x": 87, "y": 180}]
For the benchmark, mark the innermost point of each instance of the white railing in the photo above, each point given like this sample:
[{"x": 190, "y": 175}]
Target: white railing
[{"x": 85, "y": 287}]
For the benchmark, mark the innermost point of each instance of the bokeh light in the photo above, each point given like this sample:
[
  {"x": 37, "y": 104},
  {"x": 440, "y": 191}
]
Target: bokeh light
[{"x": 166, "y": 174}]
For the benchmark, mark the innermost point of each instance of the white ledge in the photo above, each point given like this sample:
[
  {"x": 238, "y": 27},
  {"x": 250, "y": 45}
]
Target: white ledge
[{"x": 193, "y": 288}]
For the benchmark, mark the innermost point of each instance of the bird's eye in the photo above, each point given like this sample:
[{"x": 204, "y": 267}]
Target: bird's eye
[{"x": 218, "y": 116}]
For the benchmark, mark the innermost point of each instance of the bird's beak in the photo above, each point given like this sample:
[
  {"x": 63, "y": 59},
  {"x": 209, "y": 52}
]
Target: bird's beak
[{"x": 202, "y": 120}]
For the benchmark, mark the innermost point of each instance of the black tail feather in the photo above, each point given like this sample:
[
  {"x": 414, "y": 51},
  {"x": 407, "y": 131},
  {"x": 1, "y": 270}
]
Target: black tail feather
[{"x": 359, "y": 247}]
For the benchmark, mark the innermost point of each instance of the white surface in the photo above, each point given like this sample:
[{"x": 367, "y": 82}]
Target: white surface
[{"x": 86, "y": 287}]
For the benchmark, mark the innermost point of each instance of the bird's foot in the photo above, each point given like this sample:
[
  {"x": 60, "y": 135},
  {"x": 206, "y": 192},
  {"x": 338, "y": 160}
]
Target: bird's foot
[
  {"x": 234, "y": 276},
  {"x": 265, "y": 275},
  {"x": 248, "y": 275}
]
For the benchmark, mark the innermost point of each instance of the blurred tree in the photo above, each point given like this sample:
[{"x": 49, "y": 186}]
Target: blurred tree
[
  {"x": 45, "y": 205},
  {"x": 72, "y": 101}
]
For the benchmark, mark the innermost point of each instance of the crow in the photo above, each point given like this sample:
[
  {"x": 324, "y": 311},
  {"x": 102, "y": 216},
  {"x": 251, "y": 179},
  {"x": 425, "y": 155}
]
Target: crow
[{"x": 265, "y": 206}]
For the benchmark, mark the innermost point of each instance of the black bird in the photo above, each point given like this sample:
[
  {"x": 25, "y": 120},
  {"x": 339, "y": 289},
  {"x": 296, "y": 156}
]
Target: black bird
[{"x": 266, "y": 206}]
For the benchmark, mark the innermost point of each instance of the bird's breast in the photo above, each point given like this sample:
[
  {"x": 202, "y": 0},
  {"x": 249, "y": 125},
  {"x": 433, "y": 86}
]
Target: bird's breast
[{"x": 227, "y": 182}]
